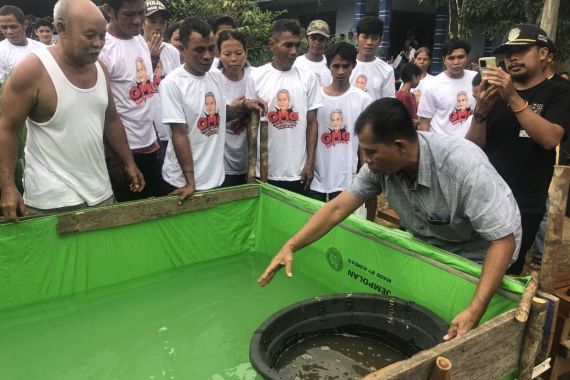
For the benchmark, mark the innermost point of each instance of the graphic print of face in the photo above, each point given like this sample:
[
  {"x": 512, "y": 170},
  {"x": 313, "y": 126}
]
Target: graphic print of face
[
  {"x": 462, "y": 101},
  {"x": 283, "y": 100},
  {"x": 159, "y": 71},
  {"x": 337, "y": 120},
  {"x": 142, "y": 76},
  {"x": 361, "y": 82},
  {"x": 210, "y": 103}
]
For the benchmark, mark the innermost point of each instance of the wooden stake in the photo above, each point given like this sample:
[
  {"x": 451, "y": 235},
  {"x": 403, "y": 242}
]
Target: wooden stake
[
  {"x": 263, "y": 151},
  {"x": 252, "y": 145},
  {"x": 441, "y": 369},
  {"x": 552, "y": 241},
  {"x": 532, "y": 338},
  {"x": 523, "y": 308}
]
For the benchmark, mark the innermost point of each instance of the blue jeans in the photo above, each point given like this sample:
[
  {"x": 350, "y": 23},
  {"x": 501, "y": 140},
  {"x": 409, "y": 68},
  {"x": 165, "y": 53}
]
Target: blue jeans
[{"x": 539, "y": 238}]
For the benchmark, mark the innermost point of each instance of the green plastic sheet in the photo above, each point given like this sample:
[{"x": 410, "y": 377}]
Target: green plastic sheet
[{"x": 176, "y": 298}]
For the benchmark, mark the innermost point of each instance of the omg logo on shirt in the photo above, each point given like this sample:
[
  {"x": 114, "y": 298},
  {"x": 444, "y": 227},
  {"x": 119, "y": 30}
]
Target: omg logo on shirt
[
  {"x": 284, "y": 115},
  {"x": 337, "y": 133},
  {"x": 209, "y": 124},
  {"x": 144, "y": 88}
]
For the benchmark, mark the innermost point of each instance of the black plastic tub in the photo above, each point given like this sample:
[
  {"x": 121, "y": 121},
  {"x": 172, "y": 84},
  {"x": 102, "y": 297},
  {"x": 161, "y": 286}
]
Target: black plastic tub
[{"x": 402, "y": 325}]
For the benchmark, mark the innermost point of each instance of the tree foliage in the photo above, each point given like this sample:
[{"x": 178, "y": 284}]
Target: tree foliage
[
  {"x": 495, "y": 17},
  {"x": 250, "y": 19}
]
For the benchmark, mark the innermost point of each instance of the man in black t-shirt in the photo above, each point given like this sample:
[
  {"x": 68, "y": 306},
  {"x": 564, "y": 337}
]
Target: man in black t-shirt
[{"x": 519, "y": 120}]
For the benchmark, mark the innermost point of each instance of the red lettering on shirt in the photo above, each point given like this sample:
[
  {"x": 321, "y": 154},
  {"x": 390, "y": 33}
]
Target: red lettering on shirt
[
  {"x": 459, "y": 116},
  {"x": 332, "y": 138},
  {"x": 141, "y": 91},
  {"x": 209, "y": 125},
  {"x": 282, "y": 119}
]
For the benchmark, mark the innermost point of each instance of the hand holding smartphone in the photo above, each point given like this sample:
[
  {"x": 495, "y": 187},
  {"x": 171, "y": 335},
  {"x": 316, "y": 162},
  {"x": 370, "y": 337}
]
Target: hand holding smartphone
[{"x": 486, "y": 62}]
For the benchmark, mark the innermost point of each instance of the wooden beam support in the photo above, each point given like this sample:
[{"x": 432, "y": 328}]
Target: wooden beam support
[
  {"x": 263, "y": 151},
  {"x": 97, "y": 218},
  {"x": 532, "y": 338},
  {"x": 523, "y": 308},
  {"x": 555, "y": 225},
  {"x": 252, "y": 130}
]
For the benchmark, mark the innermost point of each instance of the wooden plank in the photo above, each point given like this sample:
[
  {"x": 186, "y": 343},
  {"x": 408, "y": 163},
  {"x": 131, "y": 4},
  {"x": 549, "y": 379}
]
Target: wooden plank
[
  {"x": 91, "y": 219},
  {"x": 263, "y": 151},
  {"x": 252, "y": 130},
  {"x": 491, "y": 351},
  {"x": 556, "y": 212}
]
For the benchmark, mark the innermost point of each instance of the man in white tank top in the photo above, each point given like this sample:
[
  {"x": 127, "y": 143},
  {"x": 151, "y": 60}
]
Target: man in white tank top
[{"x": 63, "y": 95}]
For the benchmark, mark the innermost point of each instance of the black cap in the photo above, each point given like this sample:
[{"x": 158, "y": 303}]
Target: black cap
[
  {"x": 523, "y": 35},
  {"x": 551, "y": 47}
]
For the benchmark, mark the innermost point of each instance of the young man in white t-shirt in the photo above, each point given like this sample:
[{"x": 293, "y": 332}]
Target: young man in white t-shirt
[
  {"x": 337, "y": 145},
  {"x": 127, "y": 57},
  {"x": 192, "y": 99},
  {"x": 372, "y": 74},
  {"x": 447, "y": 99},
  {"x": 293, "y": 97},
  {"x": 318, "y": 34},
  {"x": 165, "y": 58},
  {"x": 16, "y": 46}
]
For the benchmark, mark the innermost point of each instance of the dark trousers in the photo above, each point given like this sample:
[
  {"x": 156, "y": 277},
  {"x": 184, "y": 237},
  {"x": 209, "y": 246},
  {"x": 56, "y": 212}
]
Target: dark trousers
[
  {"x": 530, "y": 225},
  {"x": 234, "y": 180},
  {"x": 323, "y": 196},
  {"x": 149, "y": 165},
  {"x": 294, "y": 186}
]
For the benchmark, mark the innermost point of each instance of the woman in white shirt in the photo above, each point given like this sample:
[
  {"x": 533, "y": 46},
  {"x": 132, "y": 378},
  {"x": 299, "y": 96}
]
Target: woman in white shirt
[{"x": 235, "y": 69}]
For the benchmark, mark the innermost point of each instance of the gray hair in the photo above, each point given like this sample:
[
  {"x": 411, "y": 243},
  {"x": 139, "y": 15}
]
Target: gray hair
[{"x": 60, "y": 11}]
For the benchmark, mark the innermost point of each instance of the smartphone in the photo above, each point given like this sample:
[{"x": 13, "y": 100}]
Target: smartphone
[{"x": 485, "y": 62}]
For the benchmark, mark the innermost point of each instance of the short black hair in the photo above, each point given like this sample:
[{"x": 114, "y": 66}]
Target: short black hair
[
  {"x": 13, "y": 10},
  {"x": 231, "y": 34},
  {"x": 43, "y": 22},
  {"x": 286, "y": 25},
  {"x": 219, "y": 20},
  {"x": 408, "y": 71},
  {"x": 193, "y": 24},
  {"x": 476, "y": 79},
  {"x": 389, "y": 120},
  {"x": 171, "y": 29},
  {"x": 370, "y": 25},
  {"x": 116, "y": 4},
  {"x": 453, "y": 44},
  {"x": 344, "y": 50}
]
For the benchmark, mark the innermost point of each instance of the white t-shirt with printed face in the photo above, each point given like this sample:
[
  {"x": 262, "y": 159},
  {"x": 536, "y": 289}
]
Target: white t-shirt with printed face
[
  {"x": 337, "y": 145},
  {"x": 448, "y": 102},
  {"x": 235, "y": 155},
  {"x": 320, "y": 69},
  {"x": 169, "y": 60},
  {"x": 375, "y": 78},
  {"x": 289, "y": 96},
  {"x": 11, "y": 54},
  {"x": 130, "y": 71},
  {"x": 199, "y": 103}
]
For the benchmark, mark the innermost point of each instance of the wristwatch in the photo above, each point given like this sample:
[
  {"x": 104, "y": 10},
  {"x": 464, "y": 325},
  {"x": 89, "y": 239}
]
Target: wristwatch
[{"x": 479, "y": 118}]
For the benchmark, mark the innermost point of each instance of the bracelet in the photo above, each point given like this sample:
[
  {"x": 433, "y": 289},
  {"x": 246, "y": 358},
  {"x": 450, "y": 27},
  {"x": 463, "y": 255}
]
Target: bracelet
[
  {"x": 188, "y": 171},
  {"x": 522, "y": 108}
]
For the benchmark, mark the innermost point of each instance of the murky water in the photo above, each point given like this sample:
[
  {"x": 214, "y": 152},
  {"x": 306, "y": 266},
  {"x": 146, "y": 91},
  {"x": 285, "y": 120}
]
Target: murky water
[
  {"x": 329, "y": 357},
  {"x": 191, "y": 323}
]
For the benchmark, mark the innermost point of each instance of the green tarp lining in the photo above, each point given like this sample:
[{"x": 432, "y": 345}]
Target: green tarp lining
[{"x": 193, "y": 275}]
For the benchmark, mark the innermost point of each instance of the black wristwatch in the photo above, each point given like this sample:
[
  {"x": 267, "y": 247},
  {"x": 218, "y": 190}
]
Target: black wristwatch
[{"x": 479, "y": 118}]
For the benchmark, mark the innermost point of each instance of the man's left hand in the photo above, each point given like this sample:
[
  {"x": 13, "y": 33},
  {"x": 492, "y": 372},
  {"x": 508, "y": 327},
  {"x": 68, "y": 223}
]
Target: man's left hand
[
  {"x": 463, "y": 322},
  {"x": 496, "y": 77},
  {"x": 255, "y": 105},
  {"x": 307, "y": 176},
  {"x": 136, "y": 179}
]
